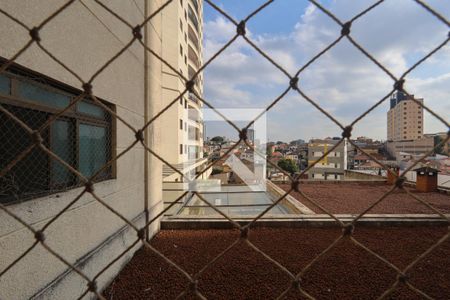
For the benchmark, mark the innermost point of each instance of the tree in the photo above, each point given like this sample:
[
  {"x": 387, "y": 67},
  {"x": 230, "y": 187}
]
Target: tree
[
  {"x": 288, "y": 165},
  {"x": 269, "y": 151},
  {"x": 217, "y": 140}
]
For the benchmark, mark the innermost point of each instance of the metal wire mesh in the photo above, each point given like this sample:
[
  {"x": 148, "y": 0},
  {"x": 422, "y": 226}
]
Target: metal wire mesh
[
  {"x": 32, "y": 132},
  {"x": 68, "y": 137}
]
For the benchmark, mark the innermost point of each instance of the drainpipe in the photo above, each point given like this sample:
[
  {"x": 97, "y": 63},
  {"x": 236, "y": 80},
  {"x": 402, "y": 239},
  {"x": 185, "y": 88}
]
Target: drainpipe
[
  {"x": 146, "y": 132},
  {"x": 152, "y": 105}
]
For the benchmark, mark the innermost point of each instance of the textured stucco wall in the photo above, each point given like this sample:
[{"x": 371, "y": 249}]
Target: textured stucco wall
[{"x": 84, "y": 37}]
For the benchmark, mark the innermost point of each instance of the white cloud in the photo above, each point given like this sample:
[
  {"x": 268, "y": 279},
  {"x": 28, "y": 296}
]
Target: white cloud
[{"x": 343, "y": 81}]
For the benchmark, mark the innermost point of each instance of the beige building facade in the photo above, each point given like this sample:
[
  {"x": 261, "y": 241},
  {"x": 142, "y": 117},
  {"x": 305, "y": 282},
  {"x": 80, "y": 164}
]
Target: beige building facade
[
  {"x": 404, "y": 118},
  {"x": 182, "y": 48},
  {"x": 413, "y": 147},
  {"x": 332, "y": 166},
  {"x": 405, "y": 127}
]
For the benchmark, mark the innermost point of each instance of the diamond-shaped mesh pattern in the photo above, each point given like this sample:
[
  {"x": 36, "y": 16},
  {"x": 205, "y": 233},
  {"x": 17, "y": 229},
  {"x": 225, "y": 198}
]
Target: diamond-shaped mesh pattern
[{"x": 31, "y": 134}]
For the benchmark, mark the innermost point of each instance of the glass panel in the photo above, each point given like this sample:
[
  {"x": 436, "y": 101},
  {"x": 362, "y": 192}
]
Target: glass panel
[
  {"x": 173, "y": 210},
  {"x": 93, "y": 152},
  {"x": 5, "y": 85},
  {"x": 249, "y": 198},
  {"x": 61, "y": 143},
  {"x": 29, "y": 177},
  {"x": 195, "y": 4},
  {"x": 40, "y": 95},
  {"x": 246, "y": 210},
  {"x": 198, "y": 211},
  {"x": 193, "y": 18},
  {"x": 91, "y": 109}
]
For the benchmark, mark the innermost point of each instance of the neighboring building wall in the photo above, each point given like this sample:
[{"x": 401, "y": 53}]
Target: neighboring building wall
[
  {"x": 333, "y": 165},
  {"x": 404, "y": 119},
  {"x": 372, "y": 175},
  {"x": 439, "y": 137},
  {"x": 182, "y": 49},
  {"x": 419, "y": 146},
  {"x": 88, "y": 235}
]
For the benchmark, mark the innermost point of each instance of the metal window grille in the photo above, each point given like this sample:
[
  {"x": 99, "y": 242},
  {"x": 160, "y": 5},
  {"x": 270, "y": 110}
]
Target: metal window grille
[
  {"x": 34, "y": 100},
  {"x": 36, "y": 127}
]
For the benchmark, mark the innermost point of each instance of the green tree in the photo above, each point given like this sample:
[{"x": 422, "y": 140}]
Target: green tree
[
  {"x": 269, "y": 151},
  {"x": 288, "y": 165},
  {"x": 217, "y": 140}
]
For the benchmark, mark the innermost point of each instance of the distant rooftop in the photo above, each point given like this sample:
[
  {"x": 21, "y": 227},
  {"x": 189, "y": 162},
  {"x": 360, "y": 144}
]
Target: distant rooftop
[
  {"x": 354, "y": 198},
  {"x": 399, "y": 96}
]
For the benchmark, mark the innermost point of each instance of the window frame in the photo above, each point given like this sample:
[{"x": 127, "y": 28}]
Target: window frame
[{"x": 18, "y": 74}]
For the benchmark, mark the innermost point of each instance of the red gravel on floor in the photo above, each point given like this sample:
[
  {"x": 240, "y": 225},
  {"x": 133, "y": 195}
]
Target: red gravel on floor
[
  {"x": 353, "y": 198},
  {"x": 346, "y": 272}
]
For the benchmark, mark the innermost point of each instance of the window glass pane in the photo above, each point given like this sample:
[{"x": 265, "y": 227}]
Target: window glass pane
[
  {"x": 32, "y": 92},
  {"x": 93, "y": 152},
  {"x": 5, "y": 85},
  {"x": 91, "y": 109},
  {"x": 61, "y": 143},
  {"x": 29, "y": 177}
]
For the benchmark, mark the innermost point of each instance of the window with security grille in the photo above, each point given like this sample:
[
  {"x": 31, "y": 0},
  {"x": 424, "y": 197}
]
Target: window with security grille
[{"x": 81, "y": 137}]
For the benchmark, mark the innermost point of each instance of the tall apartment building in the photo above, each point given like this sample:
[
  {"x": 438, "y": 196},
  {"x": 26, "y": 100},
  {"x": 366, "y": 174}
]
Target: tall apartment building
[
  {"x": 182, "y": 23},
  {"x": 332, "y": 166},
  {"x": 404, "y": 118},
  {"x": 405, "y": 127}
]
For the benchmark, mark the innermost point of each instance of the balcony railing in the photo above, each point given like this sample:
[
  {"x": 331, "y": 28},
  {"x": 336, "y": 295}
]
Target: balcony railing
[
  {"x": 195, "y": 3},
  {"x": 191, "y": 73},
  {"x": 193, "y": 57},
  {"x": 193, "y": 38},
  {"x": 193, "y": 18},
  {"x": 193, "y": 133},
  {"x": 193, "y": 98},
  {"x": 193, "y": 115}
]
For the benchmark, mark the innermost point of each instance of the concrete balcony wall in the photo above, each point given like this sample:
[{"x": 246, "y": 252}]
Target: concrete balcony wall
[{"x": 87, "y": 235}]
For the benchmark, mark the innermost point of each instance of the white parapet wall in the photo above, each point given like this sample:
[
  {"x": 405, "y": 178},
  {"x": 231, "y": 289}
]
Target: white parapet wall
[{"x": 288, "y": 200}]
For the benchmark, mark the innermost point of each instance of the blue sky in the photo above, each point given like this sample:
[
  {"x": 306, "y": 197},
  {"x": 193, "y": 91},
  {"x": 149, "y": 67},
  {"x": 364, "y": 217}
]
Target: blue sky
[
  {"x": 265, "y": 22},
  {"x": 343, "y": 82}
]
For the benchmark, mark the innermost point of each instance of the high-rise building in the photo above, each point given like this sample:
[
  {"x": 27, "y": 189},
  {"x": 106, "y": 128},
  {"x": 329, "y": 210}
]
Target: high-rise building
[
  {"x": 404, "y": 118},
  {"x": 182, "y": 124}
]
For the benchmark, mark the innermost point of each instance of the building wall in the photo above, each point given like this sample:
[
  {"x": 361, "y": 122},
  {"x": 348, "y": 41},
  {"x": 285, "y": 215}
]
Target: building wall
[
  {"x": 418, "y": 146},
  {"x": 439, "y": 137},
  {"x": 405, "y": 121},
  {"x": 84, "y": 37},
  {"x": 333, "y": 164}
]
